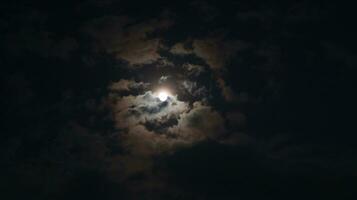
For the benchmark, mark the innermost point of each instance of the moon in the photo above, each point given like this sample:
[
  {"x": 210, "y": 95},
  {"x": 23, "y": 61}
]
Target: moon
[{"x": 162, "y": 95}]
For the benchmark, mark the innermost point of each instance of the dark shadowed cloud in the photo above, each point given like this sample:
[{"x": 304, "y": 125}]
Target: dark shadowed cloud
[{"x": 257, "y": 100}]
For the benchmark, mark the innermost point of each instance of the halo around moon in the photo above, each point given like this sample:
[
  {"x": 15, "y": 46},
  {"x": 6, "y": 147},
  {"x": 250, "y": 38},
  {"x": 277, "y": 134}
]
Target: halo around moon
[{"x": 163, "y": 95}]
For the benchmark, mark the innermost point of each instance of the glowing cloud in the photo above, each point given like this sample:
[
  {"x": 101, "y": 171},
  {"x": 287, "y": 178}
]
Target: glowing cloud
[{"x": 163, "y": 95}]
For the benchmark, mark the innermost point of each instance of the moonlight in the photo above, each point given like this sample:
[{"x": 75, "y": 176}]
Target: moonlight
[{"x": 162, "y": 95}]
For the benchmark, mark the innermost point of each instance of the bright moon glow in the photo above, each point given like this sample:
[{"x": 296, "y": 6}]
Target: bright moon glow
[{"x": 163, "y": 95}]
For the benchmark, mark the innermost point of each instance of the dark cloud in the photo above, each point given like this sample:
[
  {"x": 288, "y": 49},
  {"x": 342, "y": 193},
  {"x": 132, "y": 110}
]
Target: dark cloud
[
  {"x": 127, "y": 85},
  {"x": 193, "y": 70},
  {"x": 180, "y": 49},
  {"x": 133, "y": 113},
  {"x": 199, "y": 123},
  {"x": 214, "y": 171},
  {"x": 126, "y": 39},
  {"x": 260, "y": 100}
]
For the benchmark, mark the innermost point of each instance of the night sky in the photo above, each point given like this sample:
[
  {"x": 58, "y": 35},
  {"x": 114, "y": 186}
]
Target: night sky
[{"x": 178, "y": 100}]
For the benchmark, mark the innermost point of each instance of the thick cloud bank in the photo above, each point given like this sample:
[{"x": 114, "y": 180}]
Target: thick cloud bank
[{"x": 161, "y": 126}]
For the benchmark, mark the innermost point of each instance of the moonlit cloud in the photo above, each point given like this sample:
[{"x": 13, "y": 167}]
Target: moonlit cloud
[
  {"x": 132, "y": 110},
  {"x": 217, "y": 54},
  {"x": 133, "y": 113},
  {"x": 214, "y": 51},
  {"x": 112, "y": 99},
  {"x": 163, "y": 79},
  {"x": 227, "y": 92},
  {"x": 180, "y": 49},
  {"x": 127, "y": 41},
  {"x": 194, "y": 89},
  {"x": 200, "y": 123},
  {"x": 127, "y": 85},
  {"x": 193, "y": 70}
]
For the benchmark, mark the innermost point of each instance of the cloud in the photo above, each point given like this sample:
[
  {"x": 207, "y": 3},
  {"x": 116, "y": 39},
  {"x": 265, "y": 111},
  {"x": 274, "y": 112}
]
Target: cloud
[
  {"x": 193, "y": 88},
  {"x": 215, "y": 51},
  {"x": 134, "y": 110},
  {"x": 180, "y": 49},
  {"x": 178, "y": 124},
  {"x": 227, "y": 91},
  {"x": 193, "y": 70},
  {"x": 127, "y": 85},
  {"x": 127, "y": 40},
  {"x": 132, "y": 113},
  {"x": 163, "y": 79},
  {"x": 164, "y": 62},
  {"x": 141, "y": 142},
  {"x": 200, "y": 123}
]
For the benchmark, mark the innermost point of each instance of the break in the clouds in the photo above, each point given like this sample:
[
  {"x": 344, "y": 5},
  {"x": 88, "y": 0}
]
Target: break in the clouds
[
  {"x": 177, "y": 122},
  {"x": 150, "y": 126},
  {"x": 177, "y": 100},
  {"x": 217, "y": 53},
  {"x": 131, "y": 110}
]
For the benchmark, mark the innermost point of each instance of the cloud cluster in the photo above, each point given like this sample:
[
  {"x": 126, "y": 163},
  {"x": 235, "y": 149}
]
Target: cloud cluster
[
  {"x": 216, "y": 53},
  {"x": 127, "y": 39},
  {"x": 227, "y": 91},
  {"x": 133, "y": 110},
  {"x": 194, "y": 89},
  {"x": 199, "y": 123},
  {"x": 180, "y": 49},
  {"x": 193, "y": 70},
  {"x": 177, "y": 124},
  {"x": 82, "y": 119},
  {"x": 127, "y": 85}
]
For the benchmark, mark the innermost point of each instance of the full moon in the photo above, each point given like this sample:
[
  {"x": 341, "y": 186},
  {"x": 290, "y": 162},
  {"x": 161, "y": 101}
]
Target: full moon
[{"x": 163, "y": 95}]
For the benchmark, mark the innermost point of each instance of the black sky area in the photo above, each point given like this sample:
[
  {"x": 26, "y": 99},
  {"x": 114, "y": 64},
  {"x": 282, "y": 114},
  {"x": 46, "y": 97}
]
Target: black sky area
[{"x": 261, "y": 100}]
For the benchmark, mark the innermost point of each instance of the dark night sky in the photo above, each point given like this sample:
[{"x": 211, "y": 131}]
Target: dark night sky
[{"x": 261, "y": 100}]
